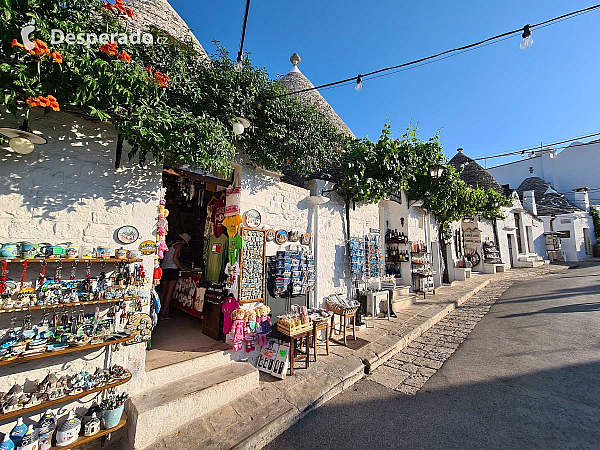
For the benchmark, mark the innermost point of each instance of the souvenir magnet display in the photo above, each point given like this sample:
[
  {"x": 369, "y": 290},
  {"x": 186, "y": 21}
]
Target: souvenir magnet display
[
  {"x": 252, "y": 218},
  {"x": 281, "y": 237},
  {"x": 127, "y": 234}
]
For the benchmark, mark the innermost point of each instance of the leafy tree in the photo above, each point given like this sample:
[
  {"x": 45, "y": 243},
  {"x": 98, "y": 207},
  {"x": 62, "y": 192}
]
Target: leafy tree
[{"x": 167, "y": 101}]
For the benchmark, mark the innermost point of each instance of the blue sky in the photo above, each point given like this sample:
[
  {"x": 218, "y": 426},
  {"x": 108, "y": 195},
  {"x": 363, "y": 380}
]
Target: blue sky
[{"x": 489, "y": 100}]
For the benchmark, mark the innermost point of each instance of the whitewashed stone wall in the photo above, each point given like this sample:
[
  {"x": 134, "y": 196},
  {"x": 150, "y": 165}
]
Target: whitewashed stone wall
[{"x": 69, "y": 191}]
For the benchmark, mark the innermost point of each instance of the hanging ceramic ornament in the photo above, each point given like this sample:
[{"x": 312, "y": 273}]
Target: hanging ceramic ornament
[
  {"x": 31, "y": 439},
  {"x": 270, "y": 235},
  {"x": 281, "y": 237}
]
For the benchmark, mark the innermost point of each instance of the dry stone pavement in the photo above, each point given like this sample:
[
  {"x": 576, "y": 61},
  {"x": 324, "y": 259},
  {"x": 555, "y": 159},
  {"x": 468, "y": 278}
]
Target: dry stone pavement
[{"x": 409, "y": 370}]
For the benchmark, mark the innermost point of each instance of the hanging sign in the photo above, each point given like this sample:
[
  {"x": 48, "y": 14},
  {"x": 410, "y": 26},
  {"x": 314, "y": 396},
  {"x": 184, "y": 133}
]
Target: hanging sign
[{"x": 148, "y": 248}]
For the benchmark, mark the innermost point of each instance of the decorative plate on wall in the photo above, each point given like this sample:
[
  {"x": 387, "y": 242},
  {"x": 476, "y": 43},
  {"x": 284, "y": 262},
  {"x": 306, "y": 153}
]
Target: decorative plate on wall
[
  {"x": 270, "y": 235},
  {"x": 252, "y": 218},
  {"x": 127, "y": 234},
  {"x": 281, "y": 237},
  {"x": 293, "y": 236},
  {"x": 305, "y": 239}
]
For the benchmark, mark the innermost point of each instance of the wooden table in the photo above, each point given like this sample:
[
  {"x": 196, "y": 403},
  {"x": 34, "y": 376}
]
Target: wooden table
[
  {"x": 298, "y": 338},
  {"x": 318, "y": 326},
  {"x": 343, "y": 323}
]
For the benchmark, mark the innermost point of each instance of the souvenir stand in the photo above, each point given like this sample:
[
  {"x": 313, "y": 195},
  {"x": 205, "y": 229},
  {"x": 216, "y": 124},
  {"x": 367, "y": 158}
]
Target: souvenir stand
[
  {"x": 66, "y": 315},
  {"x": 553, "y": 245},
  {"x": 422, "y": 269}
]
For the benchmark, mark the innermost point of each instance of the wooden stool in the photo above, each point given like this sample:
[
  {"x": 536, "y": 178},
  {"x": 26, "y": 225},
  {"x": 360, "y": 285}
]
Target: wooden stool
[
  {"x": 297, "y": 339},
  {"x": 343, "y": 324},
  {"x": 318, "y": 326}
]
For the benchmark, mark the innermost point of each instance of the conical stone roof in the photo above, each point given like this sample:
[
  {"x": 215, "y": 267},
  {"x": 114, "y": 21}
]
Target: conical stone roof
[
  {"x": 161, "y": 15},
  {"x": 296, "y": 81},
  {"x": 473, "y": 174}
]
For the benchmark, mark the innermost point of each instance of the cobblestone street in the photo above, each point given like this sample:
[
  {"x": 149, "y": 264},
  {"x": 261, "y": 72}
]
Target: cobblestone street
[{"x": 409, "y": 370}]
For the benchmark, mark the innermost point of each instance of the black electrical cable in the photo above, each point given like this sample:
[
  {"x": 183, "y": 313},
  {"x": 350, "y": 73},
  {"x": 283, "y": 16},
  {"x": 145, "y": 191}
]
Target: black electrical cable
[
  {"x": 437, "y": 56},
  {"x": 241, "y": 50},
  {"x": 538, "y": 148}
]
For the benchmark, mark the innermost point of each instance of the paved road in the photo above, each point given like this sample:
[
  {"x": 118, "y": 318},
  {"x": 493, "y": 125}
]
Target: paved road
[{"x": 526, "y": 377}]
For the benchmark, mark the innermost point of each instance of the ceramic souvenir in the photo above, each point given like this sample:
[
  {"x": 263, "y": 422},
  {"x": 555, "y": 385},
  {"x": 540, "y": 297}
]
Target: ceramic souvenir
[
  {"x": 127, "y": 234},
  {"x": 6, "y": 443},
  {"x": 55, "y": 251},
  {"x": 91, "y": 426},
  {"x": 148, "y": 247},
  {"x": 270, "y": 237},
  {"x": 87, "y": 252},
  {"x": 305, "y": 238},
  {"x": 19, "y": 430},
  {"x": 68, "y": 431},
  {"x": 29, "y": 251},
  {"x": 133, "y": 254},
  {"x": 26, "y": 297},
  {"x": 121, "y": 253},
  {"x": 293, "y": 236},
  {"x": 46, "y": 427},
  {"x": 9, "y": 251},
  {"x": 281, "y": 237},
  {"x": 71, "y": 251},
  {"x": 31, "y": 439},
  {"x": 103, "y": 252},
  {"x": 252, "y": 218}
]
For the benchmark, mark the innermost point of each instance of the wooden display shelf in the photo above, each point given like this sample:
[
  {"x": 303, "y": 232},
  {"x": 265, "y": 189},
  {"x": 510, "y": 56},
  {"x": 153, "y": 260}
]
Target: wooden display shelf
[
  {"x": 49, "y": 403},
  {"x": 78, "y": 260},
  {"x": 85, "y": 439},
  {"x": 68, "y": 305},
  {"x": 47, "y": 354}
]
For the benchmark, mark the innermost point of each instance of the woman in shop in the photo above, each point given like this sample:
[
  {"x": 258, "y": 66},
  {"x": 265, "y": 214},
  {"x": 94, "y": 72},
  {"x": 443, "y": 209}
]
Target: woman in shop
[{"x": 170, "y": 267}]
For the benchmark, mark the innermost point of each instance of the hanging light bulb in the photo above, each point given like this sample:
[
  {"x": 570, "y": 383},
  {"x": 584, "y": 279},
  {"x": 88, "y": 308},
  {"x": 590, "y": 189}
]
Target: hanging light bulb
[
  {"x": 21, "y": 145},
  {"x": 239, "y": 124},
  {"x": 358, "y": 86},
  {"x": 527, "y": 39},
  {"x": 239, "y": 64}
]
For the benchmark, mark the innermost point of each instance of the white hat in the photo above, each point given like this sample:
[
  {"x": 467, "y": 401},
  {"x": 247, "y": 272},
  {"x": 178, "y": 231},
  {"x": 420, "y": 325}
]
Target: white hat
[{"x": 186, "y": 237}]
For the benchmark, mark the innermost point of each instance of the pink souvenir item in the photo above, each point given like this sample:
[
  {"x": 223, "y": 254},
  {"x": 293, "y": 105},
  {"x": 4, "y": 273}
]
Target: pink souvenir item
[
  {"x": 264, "y": 321},
  {"x": 228, "y": 307},
  {"x": 237, "y": 328}
]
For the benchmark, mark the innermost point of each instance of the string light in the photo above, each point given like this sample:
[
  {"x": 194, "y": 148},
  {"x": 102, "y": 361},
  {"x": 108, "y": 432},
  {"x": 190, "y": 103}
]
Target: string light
[
  {"x": 358, "y": 83},
  {"x": 522, "y": 31}
]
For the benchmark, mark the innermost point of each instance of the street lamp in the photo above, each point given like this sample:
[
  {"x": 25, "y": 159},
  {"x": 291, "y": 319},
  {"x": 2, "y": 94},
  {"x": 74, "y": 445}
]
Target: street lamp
[
  {"x": 22, "y": 140},
  {"x": 436, "y": 171}
]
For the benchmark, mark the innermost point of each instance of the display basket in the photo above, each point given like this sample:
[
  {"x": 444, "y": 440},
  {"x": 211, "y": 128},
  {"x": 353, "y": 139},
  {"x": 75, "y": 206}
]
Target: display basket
[
  {"x": 337, "y": 309},
  {"x": 292, "y": 330}
]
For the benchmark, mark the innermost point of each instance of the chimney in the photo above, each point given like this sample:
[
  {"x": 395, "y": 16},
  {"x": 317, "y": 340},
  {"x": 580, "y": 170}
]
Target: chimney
[
  {"x": 582, "y": 199},
  {"x": 529, "y": 201}
]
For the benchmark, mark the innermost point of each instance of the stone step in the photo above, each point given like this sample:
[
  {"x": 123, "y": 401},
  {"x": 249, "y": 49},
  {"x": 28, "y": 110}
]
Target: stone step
[
  {"x": 160, "y": 412},
  {"x": 173, "y": 372}
]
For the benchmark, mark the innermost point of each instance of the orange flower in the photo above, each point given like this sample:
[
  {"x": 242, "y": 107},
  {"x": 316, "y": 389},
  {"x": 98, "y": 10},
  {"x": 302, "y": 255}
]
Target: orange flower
[
  {"x": 58, "y": 58},
  {"x": 148, "y": 69},
  {"x": 44, "y": 101},
  {"x": 119, "y": 2},
  {"x": 16, "y": 43},
  {"x": 33, "y": 102},
  {"x": 162, "y": 79},
  {"x": 110, "y": 48},
  {"x": 130, "y": 13},
  {"x": 124, "y": 56},
  {"x": 119, "y": 7},
  {"x": 40, "y": 48}
]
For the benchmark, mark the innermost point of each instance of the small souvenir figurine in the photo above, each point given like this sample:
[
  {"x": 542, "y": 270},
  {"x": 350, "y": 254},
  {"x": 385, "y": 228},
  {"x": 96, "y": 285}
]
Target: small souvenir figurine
[
  {"x": 31, "y": 439},
  {"x": 87, "y": 252},
  {"x": 264, "y": 321},
  {"x": 251, "y": 331},
  {"x": 72, "y": 251},
  {"x": 68, "y": 431},
  {"x": 17, "y": 433},
  {"x": 91, "y": 426},
  {"x": 237, "y": 328},
  {"x": 6, "y": 443},
  {"x": 28, "y": 251},
  {"x": 46, "y": 427}
]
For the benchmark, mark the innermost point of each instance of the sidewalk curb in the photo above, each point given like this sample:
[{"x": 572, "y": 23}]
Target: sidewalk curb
[
  {"x": 279, "y": 425},
  {"x": 372, "y": 363}
]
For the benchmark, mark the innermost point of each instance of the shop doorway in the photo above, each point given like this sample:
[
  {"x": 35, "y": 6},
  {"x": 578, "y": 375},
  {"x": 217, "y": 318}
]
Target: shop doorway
[
  {"x": 182, "y": 335},
  {"x": 510, "y": 250}
]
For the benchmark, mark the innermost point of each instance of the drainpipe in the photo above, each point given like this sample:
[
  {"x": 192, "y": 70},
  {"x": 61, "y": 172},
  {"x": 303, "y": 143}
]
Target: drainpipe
[{"x": 315, "y": 201}]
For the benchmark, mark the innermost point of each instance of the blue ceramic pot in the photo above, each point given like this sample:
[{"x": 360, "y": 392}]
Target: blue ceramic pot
[{"x": 111, "y": 417}]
